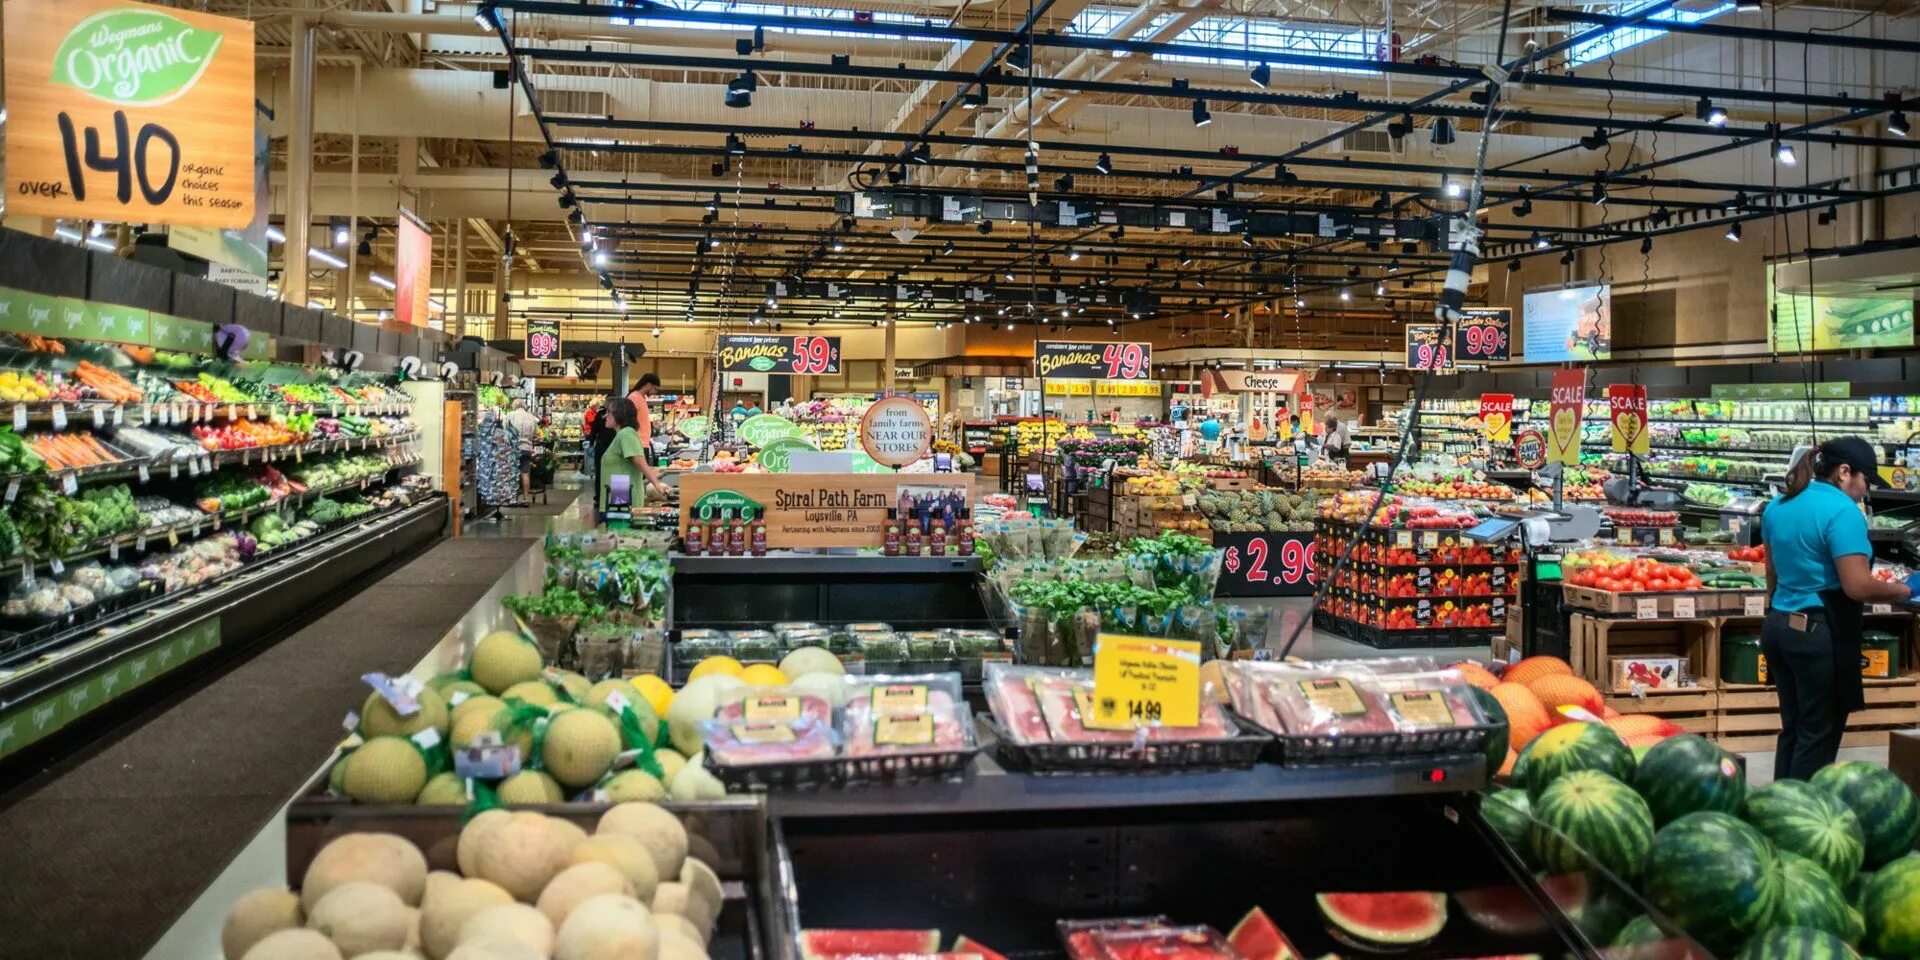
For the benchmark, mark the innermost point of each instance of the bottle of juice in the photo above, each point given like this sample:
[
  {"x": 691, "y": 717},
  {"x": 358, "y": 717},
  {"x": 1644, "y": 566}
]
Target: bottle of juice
[
  {"x": 910, "y": 544},
  {"x": 890, "y": 537},
  {"x": 717, "y": 534},
  {"x": 737, "y": 538},
  {"x": 937, "y": 544},
  {"x": 966, "y": 538},
  {"x": 757, "y": 536}
]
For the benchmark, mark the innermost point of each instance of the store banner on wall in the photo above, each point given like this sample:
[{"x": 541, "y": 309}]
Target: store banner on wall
[
  {"x": 1627, "y": 412},
  {"x": 1484, "y": 335},
  {"x": 1566, "y": 405},
  {"x": 1093, "y": 361},
  {"x": 543, "y": 340},
  {"x": 1805, "y": 322},
  {"x": 1496, "y": 416},
  {"x": 241, "y": 251},
  {"x": 1427, "y": 349},
  {"x": 128, "y": 112},
  {"x": 1337, "y": 401},
  {"x": 757, "y": 353},
  {"x": 1573, "y": 324},
  {"x": 412, "y": 267}
]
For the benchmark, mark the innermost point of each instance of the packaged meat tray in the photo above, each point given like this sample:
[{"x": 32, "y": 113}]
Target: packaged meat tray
[
  {"x": 1039, "y": 714},
  {"x": 777, "y": 705},
  {"x": 905, "y": 714},
  {"x": 1355, "y": 711},
  {"x": 753, "y": 742}
]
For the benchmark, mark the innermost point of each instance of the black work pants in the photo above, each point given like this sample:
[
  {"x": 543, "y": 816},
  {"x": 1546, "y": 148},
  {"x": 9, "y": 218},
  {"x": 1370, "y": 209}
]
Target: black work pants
[{"x": 1805, "y": 671}]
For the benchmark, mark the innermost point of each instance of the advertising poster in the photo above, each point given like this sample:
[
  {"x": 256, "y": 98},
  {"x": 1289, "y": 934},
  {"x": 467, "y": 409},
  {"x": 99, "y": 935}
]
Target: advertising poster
[
  {"x": 1566, "y": 405},
  {"x": 896, "y": 431},
  {"x": 412, "y": 267},
  {"x": 1484, "y": 335},
  {"x": 1093, "y": 361},
  {"x": 766, "y": 353},
  {"x": 1627, "y": 412},
  {"x": 129, "y": 112},
  {"x": 1496, "y": 417},
  {"x": 1573, "y": 324},
  {"x": 1427, "y": 349},
  {"x": 244, "y": 251},
  {"x": 1798, "y": 322},
  {"x": 543, "y": 340}
]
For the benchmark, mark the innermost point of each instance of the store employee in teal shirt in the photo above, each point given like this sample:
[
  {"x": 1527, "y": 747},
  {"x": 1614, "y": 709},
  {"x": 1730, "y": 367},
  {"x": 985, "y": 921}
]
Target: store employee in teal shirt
[{"x": 1819, "y": 577}]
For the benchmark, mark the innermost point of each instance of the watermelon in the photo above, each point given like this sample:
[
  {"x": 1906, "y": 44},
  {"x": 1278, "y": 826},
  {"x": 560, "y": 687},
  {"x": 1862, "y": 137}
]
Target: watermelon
[
  {"x": 1891, "y": 905},
  {"x": 1510, "y": 814},
  {"x": 1398, "y": 919},
  {"x": 1587, "y": 818},
  {"x": 1715, "y": 876},
  {"x": 1687, "y": 773},
  {"x": 817, "y": 944},
  {"x": 1809, "y": 898},
  {"x": 1569, "y": 747},
  {"x": 1256, "y": 937},
  {"x": 1639, "y": 931},
  {"x": 969, "y": 945},
  {"x": 1498, "y": 740},
  {"x": 1509, "y": 910},
  {"x": 1889, "y": 813},
  {"x": 1797, "y": 943},
  {"x": 1811, "y": 822}
]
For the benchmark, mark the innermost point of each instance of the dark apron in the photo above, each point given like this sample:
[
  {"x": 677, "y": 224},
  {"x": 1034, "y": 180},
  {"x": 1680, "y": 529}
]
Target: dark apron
[{"x": 1845, "y": 624}]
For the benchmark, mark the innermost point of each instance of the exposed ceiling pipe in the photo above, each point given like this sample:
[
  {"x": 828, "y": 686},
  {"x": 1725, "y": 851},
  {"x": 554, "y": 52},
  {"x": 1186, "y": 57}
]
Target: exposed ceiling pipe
[{"x": 598, "y": 30}]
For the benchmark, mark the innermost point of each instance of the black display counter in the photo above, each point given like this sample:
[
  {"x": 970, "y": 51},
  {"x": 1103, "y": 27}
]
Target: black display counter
[{"x": 728, "y": 592}]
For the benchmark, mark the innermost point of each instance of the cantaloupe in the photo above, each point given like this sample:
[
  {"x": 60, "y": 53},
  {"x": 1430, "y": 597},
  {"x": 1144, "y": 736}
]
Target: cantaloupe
[
  {"x": 1557, "y": 690},
  {"x": 1526, "y": 715},
  {"x": 530, "y": 786},
  {"x": 625, "y": 853},
  {"x": 388, "y": 955},
  {"x": 293, "y": 945},
  {"x": 536, "y": 692},
  {"x": 579, "y": 747},
  {"x": 657, "y": 829},
  {"x": 701, "y": 879},
  {"x": 384, "y": 858},
  {"x": 609, "y": 925},
  {"x": 677, "y": 897},
  {"x": 630, "y": 785},
  {"x": 831, "y": 687},
  {"x": 696, "y": 703},
  {"x": 695, "y": 782},
  {"x": 438, "y": 882},
  {"x": 576, "y": 885},
  {"x": 495, "y": 948},
  {"x": 676, "y": 945},
  {"x": 502, "y": 659},
  {"x": 1475, "y": 674},
  {"x": 261, "y": 912},
  {"x": 520, "y": 853},
  {"x": 360, "y": 917},
  {"x": 385, "y": 770},
  {"x": 681, "y": 925},
  {"x": 811, "y": 660},
  {"x": 510, "y": 921},
  {"x": 570, "y": 834},
  {"x": 474, "y": 836},
  {"x": 598, "y": 693},
  {"x": 473, "y": 716},
  {"x": 443, "y": 790},
  {"x": 378, "y": 718},
  {"x": 671, "y": 763},
  {"x": 445, "y": 912}
]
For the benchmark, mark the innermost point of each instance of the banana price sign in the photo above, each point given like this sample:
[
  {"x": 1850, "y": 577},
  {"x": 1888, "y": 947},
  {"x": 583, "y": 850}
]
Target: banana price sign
[
  {"x": 1627, "y": 410},
  {"x": 129, "y": 112},
  {"x": 1565, "y": 406},
  {"x": 1496, "y": 416}
]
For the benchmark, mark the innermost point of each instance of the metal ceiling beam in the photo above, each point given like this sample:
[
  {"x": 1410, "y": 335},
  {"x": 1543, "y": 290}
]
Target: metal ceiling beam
[{"x": 1562, "y": 15}]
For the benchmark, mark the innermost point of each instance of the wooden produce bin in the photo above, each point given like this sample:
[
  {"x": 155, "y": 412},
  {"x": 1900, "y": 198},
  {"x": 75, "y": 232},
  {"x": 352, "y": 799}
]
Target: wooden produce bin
[
  {"x": 1662, "y": 603},
  {"x": 1750, "y": 713},
  {"x": 1693, "y": 709}
]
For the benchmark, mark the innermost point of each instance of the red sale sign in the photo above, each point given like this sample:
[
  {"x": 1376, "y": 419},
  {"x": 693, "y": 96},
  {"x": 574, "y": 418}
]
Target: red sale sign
[
  {"x": 1627, "y": 414},
  {"x": 1496, "y": 416},
  {"x": 1565, "y": 406}
]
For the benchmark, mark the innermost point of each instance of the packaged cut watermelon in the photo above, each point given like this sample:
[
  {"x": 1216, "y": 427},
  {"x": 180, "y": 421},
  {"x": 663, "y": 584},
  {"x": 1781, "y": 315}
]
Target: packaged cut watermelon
[
  {"x": 751, "y": 742},
  {"x": 1163, "y": 943},
  {"x": 1078, "y": 934}
]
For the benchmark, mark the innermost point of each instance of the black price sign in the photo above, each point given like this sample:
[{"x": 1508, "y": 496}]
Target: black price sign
[
  {"x": 1266, "y": 564},
  {"x": 543, "y": 340},
  {"x": 755, "y": 353},
  {"x": 1484, "y": 335},
  {"x": 1093, "y": 361},
  {"x": 1497, "y": 581},
  {"x": 1426, "y": 350}
]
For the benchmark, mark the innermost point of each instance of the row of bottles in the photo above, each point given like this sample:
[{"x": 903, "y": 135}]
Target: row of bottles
[
  {"x": 903, "y": 539},
  {"x": 727, "y": 536}
]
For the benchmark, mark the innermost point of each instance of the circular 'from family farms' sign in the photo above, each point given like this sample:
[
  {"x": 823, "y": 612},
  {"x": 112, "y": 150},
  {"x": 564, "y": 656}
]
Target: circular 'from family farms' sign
[
  {"x": 777, "y": 455},
  {"x": 762, "y": 429},
  {"x": 896, "y": 431}
]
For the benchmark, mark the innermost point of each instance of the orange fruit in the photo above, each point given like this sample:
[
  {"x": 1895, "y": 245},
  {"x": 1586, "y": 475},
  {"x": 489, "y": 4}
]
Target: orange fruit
[
  {"x": 1526, "y": 715},
  {"x": 1562, "y": 690},
  {"x": 1533, "y": 668},
  {"x": 1476, "y": 674}
]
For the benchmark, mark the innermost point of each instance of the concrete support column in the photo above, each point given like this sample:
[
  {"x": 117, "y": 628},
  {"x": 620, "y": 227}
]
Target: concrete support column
[
  {"x": 501, "y": 330},
  {"x": 459, "y": 325},
  {"x": 293, "y": 275},
  {"x": 886, "y": 366}
]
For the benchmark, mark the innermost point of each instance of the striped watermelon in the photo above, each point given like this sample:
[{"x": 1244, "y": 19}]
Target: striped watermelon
[
  {"x": 1811, "y": 899},
  {"x": 1510, "y": 814},
  {"x": 1687, "y": 773},
  {"x": 1891, "y": 905},
  {"x": 1586, "y": 818},
  {"x": 1570, "y": 747},
  {"x": 1715, "y": 876},
  {"x": 1889, "y": 813},
  {"x": 1497, "y": 741},
  {"x": 1797, "y": 943},
  {"x": 1811, "y": 822},
  {"x": 1639, "y": 931}
]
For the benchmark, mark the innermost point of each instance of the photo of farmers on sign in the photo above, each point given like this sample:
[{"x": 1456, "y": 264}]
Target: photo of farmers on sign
[{"x": 129, "y": 112}]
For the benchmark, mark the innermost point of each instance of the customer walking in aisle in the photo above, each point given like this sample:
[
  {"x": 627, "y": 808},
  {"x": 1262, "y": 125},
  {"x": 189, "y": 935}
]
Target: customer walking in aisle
[
  {"x": 597, "y": 442},
  {"x": 625, "y": 457},
  {"x": 1819, "y": 575},
  {"x": 526, "y": 430}
]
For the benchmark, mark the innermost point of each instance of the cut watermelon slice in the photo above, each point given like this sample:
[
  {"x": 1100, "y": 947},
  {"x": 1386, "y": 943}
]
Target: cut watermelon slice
[
  {"x": 970, "y": 945},
  {"x": 1397, "y": 919},
  {"x": 821, "y": 944},
  {"x": 1256, "y": 938},
  {"x": 1507, "y": 909}
]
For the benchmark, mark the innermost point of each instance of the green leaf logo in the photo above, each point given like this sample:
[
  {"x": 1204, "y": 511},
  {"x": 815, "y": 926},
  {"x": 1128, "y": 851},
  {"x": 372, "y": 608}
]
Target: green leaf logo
[
  {"x": 134, "y": 57},
  {"x": 762, "y": 364}
]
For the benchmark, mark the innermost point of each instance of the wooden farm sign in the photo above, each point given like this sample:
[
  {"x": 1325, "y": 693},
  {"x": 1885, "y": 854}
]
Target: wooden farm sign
[{"x": 820, "y": 509}]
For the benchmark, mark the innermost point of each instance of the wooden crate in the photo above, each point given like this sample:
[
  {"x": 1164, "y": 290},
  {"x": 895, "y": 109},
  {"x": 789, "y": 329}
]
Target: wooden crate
[
  {"x": 1593, "y": 640},
  {"x": 1232, "y": 483},
  {"x": 1750, "y": 714},
  {"x": 1758, "y": 742},
  {"x": 1655, "y": 605}
]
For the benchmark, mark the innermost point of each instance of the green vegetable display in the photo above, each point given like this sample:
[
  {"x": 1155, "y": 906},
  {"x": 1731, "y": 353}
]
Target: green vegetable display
[
  {"x": 553, "y": 602},
  {"x": 14, "y": 455}
]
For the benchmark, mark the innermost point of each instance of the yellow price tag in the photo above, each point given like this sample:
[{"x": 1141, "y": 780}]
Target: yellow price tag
[{"x": 1144, "y": 680}]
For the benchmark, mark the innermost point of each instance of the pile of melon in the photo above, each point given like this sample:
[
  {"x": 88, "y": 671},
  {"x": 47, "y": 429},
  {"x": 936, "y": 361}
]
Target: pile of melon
[
  {"x": 1539, "y": 693},
  {"x": 529, "y": 887}
]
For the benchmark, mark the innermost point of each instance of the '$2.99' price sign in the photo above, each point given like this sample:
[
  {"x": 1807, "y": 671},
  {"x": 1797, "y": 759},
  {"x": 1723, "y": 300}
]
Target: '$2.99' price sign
[{"x": 1266, "y": 564}]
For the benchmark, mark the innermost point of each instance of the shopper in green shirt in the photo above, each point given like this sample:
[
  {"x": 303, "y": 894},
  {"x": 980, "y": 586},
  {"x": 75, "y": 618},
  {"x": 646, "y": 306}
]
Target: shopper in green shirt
[{"x": 627, "y": 456}]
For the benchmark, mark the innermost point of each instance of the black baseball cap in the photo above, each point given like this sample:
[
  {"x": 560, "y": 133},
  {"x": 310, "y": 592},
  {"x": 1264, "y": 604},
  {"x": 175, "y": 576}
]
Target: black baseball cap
[{"x": 1855, "y": 453}]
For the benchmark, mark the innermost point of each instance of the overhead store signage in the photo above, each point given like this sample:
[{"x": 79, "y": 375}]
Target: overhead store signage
[
  {"x": 1797, "y": 390},
  {"x": 129, "y": 112},
  {"x": 896, "y": 431},
  {"x": 235, "y": 254},
  {"x": 755, "y": 353},
  {"x": 1573, "y": 324},
  {"x": 777, "y": 455},
  {"x": 1093, "y": 361},
  {"x": 1798, "y": 321},
  {"x": 1484, "y": 335},
  {"x": 543, "y": 340},
  {"x": 1565, "y": 406},
  {"x": 413, "y": 269},
  {"x": 1103, "y": 388},
  {"x": 1496, "y": 417},
  {"x": 1427, "y": 348},
  {"x": 45, "y": 316},
  {"x": 829, "y": 509},
  {"x": 1627, "y": 415},
  {"x": 764, "y": 428},
  {"x": 1250, "y": 381}
]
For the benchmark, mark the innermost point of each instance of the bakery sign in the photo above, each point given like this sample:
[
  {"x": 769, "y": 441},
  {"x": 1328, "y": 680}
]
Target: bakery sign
[
  {"x": 1093, "y": 361},
  {"x": 128, "y": 112}
]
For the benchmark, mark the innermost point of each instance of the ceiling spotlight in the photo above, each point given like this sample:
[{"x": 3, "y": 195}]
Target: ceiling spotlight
[
  {"x": 1380, "y": 289},
  {"x": 1020, "y": 58},
  {"x": 1646, "y": 245},
  {"x": 1262, "y": 74},
  {"x": 1897, "y": 124},
  {"x": 736, "y": 146},
  {"x": 1595, "y": 140},
  {"x": 1441, "y": 133},
  {"x": 985, "y": 227},
  {"x": 1599, "y": 193},
  {"x": 558, "y": 181},
  {"x": 713, "y": 206},
  {"x": 1063, "y": 183},
  {"x": 1201, "y": 115},
  {"x": 1398, "y": 129},
  {"x": 921, "y": 153},
  {"x": 599, "y": 258},
  {"x": 1186, "y": 259},
  {"x": 340, "y": 233},
  {"x": 1707, "y": 113},
  {"x": 839, "y": 247},
  {"x": 1073, "y": 253},
  {"x": 947, "y": 251},
  {"x": 1346, "y": 294},
  {"x": 549, "y": 159},
  {"x": 1448, "y": 187},
  {"x": 974, "y": 98},
  {"x": 365, "y": 249},
  {"x": 1513, "y": 265},
  {"x": 1246, "y": 239},
  {"x": 719, "y": 168},
  {"x": 1783, "y": 152},
  {"x": 1297, "y": 302},
  {"x": 1540, "y": 242},
  {"x": 575, "y": 217},
  {"x": 1282, "y": 175},
  {"x": 1105, "y": 163},
  {"x": 1660, "y": 217},
  {"x": 483, "y": 18},
  {"x": 1733, "y": 232},
  {"x": 745, "y": 81},
  {"x": 739, "y": 98}
]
